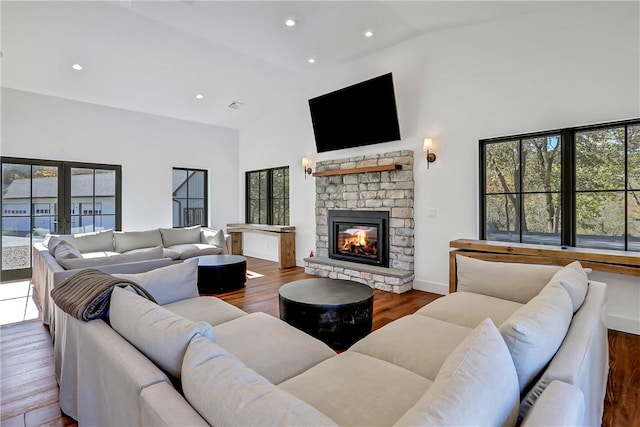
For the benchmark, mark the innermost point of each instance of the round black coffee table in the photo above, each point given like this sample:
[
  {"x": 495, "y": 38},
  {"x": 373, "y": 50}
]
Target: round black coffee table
[
  {"x": 337, "y": 312},
  {"x": 221, "y": 273}
]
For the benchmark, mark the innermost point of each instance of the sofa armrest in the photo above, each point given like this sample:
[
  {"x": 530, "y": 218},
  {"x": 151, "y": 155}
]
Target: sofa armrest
[
  {"x": 560, "y": 404},
  {"x": 162, "y": 405}
]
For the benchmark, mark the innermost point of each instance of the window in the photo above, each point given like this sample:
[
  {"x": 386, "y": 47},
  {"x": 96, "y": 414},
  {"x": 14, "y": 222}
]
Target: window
[
  {"x": 575, "y": 187},
  {"x": 267, "y": 196},
  {"x": 189, "y": 197}
]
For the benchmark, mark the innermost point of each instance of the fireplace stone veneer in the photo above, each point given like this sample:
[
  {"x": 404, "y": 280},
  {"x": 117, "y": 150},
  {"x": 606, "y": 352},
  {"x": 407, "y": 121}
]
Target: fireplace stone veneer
[{"x": 391, "y": 191}]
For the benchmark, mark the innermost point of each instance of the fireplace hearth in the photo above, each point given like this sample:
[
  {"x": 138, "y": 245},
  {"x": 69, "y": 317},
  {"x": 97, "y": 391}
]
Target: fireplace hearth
[{"x": 359, "y": 236}]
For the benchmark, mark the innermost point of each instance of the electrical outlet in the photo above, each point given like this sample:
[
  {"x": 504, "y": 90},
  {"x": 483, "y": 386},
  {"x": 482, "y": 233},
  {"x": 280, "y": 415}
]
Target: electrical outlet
[{"x": 432, "y": 213}]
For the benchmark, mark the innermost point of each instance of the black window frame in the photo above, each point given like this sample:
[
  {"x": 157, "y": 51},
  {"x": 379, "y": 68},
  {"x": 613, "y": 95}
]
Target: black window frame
[
  {"x": 184, "y": 210},
  {"x": 270, "y": 195},
  {"x": 568, "y": 226}
]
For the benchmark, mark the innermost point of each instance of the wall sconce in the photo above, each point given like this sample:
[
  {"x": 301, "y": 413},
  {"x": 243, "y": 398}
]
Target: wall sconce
[
  {"x": 427, "y": 146},
  {"x": 306, "y": 167}
]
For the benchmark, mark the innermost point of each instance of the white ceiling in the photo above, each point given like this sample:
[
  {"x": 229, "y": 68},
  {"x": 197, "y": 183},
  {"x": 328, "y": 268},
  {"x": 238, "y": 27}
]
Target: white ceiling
[{"x": 155, "y": 56}]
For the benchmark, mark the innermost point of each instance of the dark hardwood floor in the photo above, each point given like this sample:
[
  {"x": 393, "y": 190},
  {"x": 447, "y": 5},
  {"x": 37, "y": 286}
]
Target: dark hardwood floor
[{"x": 29, "y": 393}]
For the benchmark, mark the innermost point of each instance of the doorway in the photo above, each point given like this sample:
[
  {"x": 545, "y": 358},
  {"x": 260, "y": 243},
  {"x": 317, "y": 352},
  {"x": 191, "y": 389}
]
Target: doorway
[{"x": 41, "y": 197}]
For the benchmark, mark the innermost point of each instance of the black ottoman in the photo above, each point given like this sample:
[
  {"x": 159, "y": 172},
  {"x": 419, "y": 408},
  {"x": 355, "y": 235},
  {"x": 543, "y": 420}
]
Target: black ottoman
[
  {"x": 221, "y": 273},
  {"x": 337, "y": 312}
]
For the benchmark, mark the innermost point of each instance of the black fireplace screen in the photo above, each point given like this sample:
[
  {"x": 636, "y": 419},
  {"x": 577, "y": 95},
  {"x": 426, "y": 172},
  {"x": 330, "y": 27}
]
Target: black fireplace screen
[
  {"x": 358, "y": 240},
  {"x": 359, "y": 236}
]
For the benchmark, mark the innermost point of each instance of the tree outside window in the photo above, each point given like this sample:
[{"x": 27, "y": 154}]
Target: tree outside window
[
  {"x": 576, "y": 187},
  {"x": 267, "y": 196}
]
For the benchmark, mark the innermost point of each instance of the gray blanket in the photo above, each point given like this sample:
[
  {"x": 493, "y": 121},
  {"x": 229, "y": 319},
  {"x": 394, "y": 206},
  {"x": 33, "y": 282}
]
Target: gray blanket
[{"x": 86, "y": 295}]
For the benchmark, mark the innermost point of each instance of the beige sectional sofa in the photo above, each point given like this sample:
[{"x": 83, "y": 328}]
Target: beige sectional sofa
[
  {"x": 61, "y": 256},
  {"x": 516, "y": 342}
]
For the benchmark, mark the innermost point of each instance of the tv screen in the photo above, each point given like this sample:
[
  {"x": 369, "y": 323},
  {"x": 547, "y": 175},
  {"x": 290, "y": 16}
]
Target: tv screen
[{"x": 362, "y": 114}]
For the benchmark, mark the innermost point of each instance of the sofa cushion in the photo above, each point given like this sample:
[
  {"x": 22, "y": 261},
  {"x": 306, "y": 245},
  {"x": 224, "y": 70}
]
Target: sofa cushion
[
  {"x": 215, "y": 238},
  {"x": 65, "y": 250},
  {"x": 179, "y": 236},
  {"x": 75, "y": 263},
  {"x": 129, "y": 240},
  {"x": 212, "y": 310},
  {"x": 168, "y": 284},
  {"x": 469, "y": 309},
  {"x": 535, "y": 331},
  {"x": 102, "y": 254},
  {"x": 358, "y": 390},
  {"x": 574, "y": 280},
  {"x": 506, "y": 280},
  {"x": 290, "y": 351},
  {"x": 477, "y": 385},
  {"x": 91, "y": 242},
  {"x": 158, "y": 333},
  {"x": 227, "y": 393},
  {"x": 420, "y": 344},
  {"x": 190, "y": 250}
]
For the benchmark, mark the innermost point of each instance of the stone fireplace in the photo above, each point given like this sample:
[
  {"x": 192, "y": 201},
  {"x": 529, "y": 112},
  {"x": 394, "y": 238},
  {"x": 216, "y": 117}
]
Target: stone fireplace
[{"x": 356, "y": 198}]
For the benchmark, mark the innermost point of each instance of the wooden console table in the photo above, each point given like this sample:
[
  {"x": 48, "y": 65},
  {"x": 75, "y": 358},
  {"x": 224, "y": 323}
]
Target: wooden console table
[
  {"x": 286, "y": 235},
  {"x": 608, "y": 261}
]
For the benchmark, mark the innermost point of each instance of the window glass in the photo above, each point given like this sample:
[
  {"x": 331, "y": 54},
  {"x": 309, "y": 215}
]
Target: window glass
[
  {"x": 189, "y": 197},
  {"x": 267, "y": 196}
]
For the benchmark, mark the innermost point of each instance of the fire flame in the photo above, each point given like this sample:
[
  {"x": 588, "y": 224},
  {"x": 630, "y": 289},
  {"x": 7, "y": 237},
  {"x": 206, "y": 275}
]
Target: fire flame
[{"x": 359, "y": 238}]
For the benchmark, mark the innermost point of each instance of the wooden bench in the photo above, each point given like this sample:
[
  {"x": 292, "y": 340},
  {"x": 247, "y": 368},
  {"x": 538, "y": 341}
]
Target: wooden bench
[{"x": 286, "y": 235}]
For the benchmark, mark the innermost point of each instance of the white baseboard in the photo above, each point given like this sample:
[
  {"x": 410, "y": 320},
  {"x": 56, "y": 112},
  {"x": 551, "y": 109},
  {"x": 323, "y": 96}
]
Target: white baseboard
[
  {"x": 261, "y": 255},
  {"x": 623, "y": 324},
  {"x": 436, "y": 288}
]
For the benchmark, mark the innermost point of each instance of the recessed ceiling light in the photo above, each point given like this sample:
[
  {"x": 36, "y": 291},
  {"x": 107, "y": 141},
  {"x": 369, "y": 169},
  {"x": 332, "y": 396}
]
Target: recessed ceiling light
[
  {"x": 368, "y": 33},
  {"x": 312, "y": 61},
  {"x": 199, "y": 96},
  {"x": 290, "y": 22},
  {"x": 77, "y": 67}
]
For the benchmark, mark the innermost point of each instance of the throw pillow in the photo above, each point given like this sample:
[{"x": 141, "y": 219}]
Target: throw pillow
[
  {"x": 158, "y": 333},
  {"x": 535, "y": 331},
  {"x": 213, "y": 381},
  {"x": 180, "y": 236},
  {"x": 65, "y": 250},
  {"x": 574, "y": 280},
  {"x": 506, "y": 280},
  {"x": 168, "y": 284},
  {"x": 476, "y": 385},
  {"x": 214, "y": 237}
]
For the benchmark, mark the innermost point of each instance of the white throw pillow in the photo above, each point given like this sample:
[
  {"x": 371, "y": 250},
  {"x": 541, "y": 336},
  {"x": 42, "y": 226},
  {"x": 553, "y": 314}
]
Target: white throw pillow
[
  {"x": 65, "y": 250},
  {"x": 535, "y": 331},
  {"x": 574, "y": 280},
  {"x": 158, "y": 333},
  {"x": 476, "y": 385},
  {"x": 214, "y": 237},
  {"x": 506, "y": 280},
  {"x": 227, "y": 393},
  {"x": 168, "y": 284},
  {"x": 180, "y": 236}
]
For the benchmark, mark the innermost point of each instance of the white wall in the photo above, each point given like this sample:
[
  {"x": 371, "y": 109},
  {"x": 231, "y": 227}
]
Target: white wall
[
  {"x": 529, "y": 73},
  {"x": 147, "y": 147}
]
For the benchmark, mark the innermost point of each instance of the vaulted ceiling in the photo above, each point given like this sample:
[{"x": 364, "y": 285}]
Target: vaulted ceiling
[{"x": 155, "y": 56}]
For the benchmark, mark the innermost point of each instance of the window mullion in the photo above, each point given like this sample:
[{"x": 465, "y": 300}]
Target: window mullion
[{"x": 567, "y": 189}]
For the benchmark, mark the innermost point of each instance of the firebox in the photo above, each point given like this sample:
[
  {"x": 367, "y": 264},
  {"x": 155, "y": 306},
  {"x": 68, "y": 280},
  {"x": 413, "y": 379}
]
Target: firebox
[{"x": 359, "y": 236}]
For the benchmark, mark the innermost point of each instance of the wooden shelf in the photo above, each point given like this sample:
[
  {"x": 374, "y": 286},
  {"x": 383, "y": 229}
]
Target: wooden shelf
[
  {"x": 359, "y": 170},
  {"x": 606, "y": 261}
]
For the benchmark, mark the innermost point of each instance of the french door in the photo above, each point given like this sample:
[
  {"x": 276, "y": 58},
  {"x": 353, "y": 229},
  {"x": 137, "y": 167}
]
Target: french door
[{"x": 44, "y": 196}]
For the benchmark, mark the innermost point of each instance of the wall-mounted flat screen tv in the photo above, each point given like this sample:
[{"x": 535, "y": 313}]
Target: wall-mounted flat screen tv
[{"x": 362, "y": 114}]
